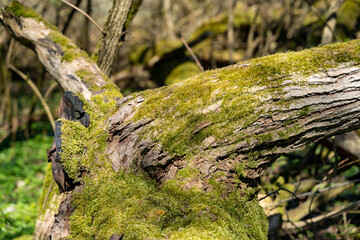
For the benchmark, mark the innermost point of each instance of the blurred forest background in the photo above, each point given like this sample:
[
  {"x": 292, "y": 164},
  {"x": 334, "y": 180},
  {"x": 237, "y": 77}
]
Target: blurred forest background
[{"x": 324, "y": 176}]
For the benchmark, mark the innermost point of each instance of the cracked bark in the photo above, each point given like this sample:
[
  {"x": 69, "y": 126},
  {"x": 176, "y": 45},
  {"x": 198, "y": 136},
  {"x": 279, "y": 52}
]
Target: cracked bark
[{"x": 333, "y": 108}]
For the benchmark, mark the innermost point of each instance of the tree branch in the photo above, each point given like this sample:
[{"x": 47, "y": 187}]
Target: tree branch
[
  {"x": 118, "y": 20},
  {"x": 37, "y": 93},
  {"x": 85, "y": 14},
  {"x": 70, "y": 66}
]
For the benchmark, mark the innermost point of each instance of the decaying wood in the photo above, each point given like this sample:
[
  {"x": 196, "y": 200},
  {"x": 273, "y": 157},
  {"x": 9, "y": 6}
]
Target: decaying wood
[{"x": 35, "y": 34}]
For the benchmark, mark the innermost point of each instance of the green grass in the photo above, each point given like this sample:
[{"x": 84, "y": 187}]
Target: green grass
[{"x": 22, "y": 169}]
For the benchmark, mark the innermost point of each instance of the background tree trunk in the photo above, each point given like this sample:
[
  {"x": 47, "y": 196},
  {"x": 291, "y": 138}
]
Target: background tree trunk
[{"x": 182, "y": 160}]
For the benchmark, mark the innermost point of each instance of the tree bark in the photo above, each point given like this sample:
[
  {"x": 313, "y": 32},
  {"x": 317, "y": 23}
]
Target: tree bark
[
  {"x": 183, "y": 160},
  {"x": 118, "y": 20}
]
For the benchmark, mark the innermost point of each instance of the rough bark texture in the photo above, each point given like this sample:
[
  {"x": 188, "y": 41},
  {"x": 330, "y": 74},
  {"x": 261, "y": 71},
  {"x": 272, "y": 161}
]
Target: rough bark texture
[
  {"x": 330, "y": 106},
  {"x": 183, "y": 160},
  {"x": 120, "y": 14}
]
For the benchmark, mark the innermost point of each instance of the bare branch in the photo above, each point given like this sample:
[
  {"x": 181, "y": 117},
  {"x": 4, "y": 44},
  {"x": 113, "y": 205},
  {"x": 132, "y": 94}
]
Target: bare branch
[
  {"x": 37, "y": 92},
  {"x": 85, "y": 14},
  {"x": 192, "y": 53}
]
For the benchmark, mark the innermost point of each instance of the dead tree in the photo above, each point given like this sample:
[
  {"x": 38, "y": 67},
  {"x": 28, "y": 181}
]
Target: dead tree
[{"x": 181, "y": 161}]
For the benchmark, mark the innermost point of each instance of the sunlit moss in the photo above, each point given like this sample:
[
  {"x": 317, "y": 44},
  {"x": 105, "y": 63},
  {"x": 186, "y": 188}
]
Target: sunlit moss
[
  {"x": 71, "y": 51},
  {"x": 20, "y": 10},
  {"x": 105, "y": 93},
  {"x": 182, "y": 107},
  {"x": 133, "y": 205}
]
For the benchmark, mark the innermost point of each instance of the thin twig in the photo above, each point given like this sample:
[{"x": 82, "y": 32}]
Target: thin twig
[
  {"x": 50, "y": 89},
  {"x": 308, "y": 193},
  {"x": 9, "y": 53},
  {"x": 346, "y": 226},
  {"x": 192, "y": 53},
  {"x": 277, "y": 192},
  {"x": 37, "y": 92},
  {"x": 85, "y": 14},
  {"x": 332, "y": 214},
  {"x": 344, "y": 164}
]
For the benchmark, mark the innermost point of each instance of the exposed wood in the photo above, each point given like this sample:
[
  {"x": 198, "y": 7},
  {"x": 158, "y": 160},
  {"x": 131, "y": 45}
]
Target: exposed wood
[{"x": 39, "y": 36}]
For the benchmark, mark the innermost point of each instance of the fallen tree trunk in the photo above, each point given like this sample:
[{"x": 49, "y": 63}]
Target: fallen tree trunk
[{"x": 184, "y": 160}]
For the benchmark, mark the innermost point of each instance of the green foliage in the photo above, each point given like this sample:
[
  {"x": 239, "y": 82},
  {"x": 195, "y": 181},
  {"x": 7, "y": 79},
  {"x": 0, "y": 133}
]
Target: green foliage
[{"x": 22, "y": 170}]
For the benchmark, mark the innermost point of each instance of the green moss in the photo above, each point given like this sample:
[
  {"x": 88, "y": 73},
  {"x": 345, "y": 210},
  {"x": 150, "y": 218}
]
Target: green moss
[
  {"x": 104, "y": 102},
  {"x": 137, "y": 207},
  {"x": 240, "y": 170},
  {"x": 71, "y": 51},
  {"x": 182, "y": 107},
  {"x": 20, "y": 10},
  {"x": 109, "y": 90},
  {"x": 219, "y": 24},
  {"x": 263, "y": 138},
  {"x": 74, "y": 147}
]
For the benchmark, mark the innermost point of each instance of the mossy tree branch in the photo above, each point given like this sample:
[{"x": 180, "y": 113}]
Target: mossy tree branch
[
  {"x": 61, "y": 57},
  {"x": 183, "y": 160}
]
